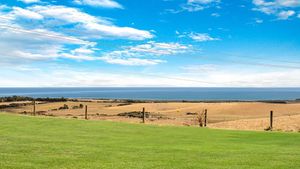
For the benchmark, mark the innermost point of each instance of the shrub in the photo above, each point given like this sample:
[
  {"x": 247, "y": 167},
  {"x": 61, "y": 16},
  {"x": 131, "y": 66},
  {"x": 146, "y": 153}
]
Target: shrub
[{"x": 64, "y": 107}]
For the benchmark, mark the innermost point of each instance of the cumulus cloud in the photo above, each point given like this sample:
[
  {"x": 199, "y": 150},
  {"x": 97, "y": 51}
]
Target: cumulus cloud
[
  {"x": 100, "y": 3},
  {"x": 144, "y": 54},
  {"x": 19, "y": 44},
  {"x": 47, "y": 33},
  {"x": 283, "y": 9}
]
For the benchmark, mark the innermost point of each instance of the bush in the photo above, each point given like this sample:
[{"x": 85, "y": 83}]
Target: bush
[
  {"x": 64, "y": 107},
  {"x": 81, "y": 106}
]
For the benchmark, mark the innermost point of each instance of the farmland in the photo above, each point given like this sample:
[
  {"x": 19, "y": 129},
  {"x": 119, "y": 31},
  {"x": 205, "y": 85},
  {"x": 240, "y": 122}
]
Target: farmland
[{"x": 225, "y": 115}]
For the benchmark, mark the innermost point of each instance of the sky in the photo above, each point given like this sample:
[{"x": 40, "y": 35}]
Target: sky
[{"x": 153, "y": 43}]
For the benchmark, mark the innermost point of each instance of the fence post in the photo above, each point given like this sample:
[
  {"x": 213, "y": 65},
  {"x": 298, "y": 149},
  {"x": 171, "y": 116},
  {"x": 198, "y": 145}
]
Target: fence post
[
  {"x": 143, "y": 112},
  {"x": 85, "y": 114},
  {"x": 271, "y": 120},
  {"x": 34, "y": 107},
  {"x": 205, "y": 117}
]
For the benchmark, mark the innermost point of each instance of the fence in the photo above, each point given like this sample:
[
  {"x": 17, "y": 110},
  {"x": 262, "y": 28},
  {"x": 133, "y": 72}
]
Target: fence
[{"x": 257, "y": 116}]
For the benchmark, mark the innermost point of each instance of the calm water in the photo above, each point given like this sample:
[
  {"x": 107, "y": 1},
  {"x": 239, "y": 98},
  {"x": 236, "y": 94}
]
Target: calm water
[{"x": 160, "y": 93}]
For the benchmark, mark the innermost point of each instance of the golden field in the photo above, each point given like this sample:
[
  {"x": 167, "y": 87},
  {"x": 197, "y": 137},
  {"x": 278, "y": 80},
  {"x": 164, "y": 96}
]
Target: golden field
[{"x": 226, "y": 115}]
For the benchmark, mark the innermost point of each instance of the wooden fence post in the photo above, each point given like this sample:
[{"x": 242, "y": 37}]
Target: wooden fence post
[
  {"x": 85, "y": 114},
  {"x": 271, "y": 120},
  {"x": 34, "y": 107},
  {"x": 205, "y": 117},
  {"x": 143, "y": 112}
]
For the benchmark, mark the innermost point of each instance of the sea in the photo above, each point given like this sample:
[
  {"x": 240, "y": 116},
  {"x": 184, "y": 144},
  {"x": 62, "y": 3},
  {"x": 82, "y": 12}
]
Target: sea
[{"x": 158, "y": 93}]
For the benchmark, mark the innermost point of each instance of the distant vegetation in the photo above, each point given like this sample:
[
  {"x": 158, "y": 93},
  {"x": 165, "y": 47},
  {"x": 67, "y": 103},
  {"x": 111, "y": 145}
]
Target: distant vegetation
[
  {"x": 78, "y": 107},
  {"x": 13, "y": 105},
  {"x": 24, "y": 98},
  {"x": 136, "y": 114},
  {"x": 64, "y": 107}
]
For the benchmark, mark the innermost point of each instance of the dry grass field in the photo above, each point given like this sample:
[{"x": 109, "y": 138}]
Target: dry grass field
[{"x": 226, "y": 115}]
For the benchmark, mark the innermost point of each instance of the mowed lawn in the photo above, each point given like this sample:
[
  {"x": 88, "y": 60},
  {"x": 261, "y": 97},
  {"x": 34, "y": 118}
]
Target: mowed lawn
[{"x": 42, "y": 142}]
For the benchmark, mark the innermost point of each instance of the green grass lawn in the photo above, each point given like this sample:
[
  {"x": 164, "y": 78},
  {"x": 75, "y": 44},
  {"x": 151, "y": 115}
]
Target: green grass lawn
[{"x": 40, "y": 142}]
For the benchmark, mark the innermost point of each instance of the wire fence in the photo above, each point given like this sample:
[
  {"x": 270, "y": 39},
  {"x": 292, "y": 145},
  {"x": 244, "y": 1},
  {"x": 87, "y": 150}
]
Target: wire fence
[{"x": 227, "y": 115}]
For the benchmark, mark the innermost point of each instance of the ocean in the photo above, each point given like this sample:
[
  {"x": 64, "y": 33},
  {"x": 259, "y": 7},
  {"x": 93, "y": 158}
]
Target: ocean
[{"x": 146, "y": 93}]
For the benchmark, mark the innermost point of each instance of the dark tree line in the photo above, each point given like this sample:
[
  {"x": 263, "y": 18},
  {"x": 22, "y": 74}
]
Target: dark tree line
[{"x": 24, "y": 98}]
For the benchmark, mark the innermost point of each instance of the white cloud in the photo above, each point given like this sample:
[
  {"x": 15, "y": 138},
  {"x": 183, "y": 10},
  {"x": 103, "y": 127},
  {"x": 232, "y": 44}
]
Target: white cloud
[
  {"x": 159, "y": 49},
  {"x": 33, "y": 76},
  {"x": 83, "y": 50},
  {"x": 191, "y": 7},
  {"x": 199, "y": 37},
  {"x": 80, "y": 78},
  {"x": 200, "y": 68},
  {"x": 198, "y": 5},
  {"x": 202, "y": 37},
  {"x": 2, "y": 7},
  {"x": 298, "y": 16},
  {"x": 145, "y": 54},
  {"x": 203, "y": 1},
  {"x": 283, "y": 15},
  {"x": 79, "y": 57},
  {"x": 112, "y": 31},
  {"x": 257, "y": 20},
  {"x": 20, "y": 12},
  {"x": 19, "y": 45},
  {"x": 289, "y": 3},
  {"x": 23, "y": 42},
  {"x": 91, "y": 25},
  {"x": 100, "y": 3},
  {"x": 283, "y": 9},
  {"x": 224, "y": 76},
  {"x": 131, "y": 61},
  {"x": 215, "y": 14},
  {"x": 195, "y": 5},
  {"x": 29, "y": 1},
  {"x": 39, "y": 35}
]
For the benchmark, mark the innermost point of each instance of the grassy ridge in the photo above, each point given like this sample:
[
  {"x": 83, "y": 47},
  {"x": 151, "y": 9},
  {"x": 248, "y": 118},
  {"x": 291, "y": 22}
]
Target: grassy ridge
[{"x": 37, "y": 142}]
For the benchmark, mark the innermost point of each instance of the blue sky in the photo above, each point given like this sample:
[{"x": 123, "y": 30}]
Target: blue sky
[{"x": 191, "y": 43}]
